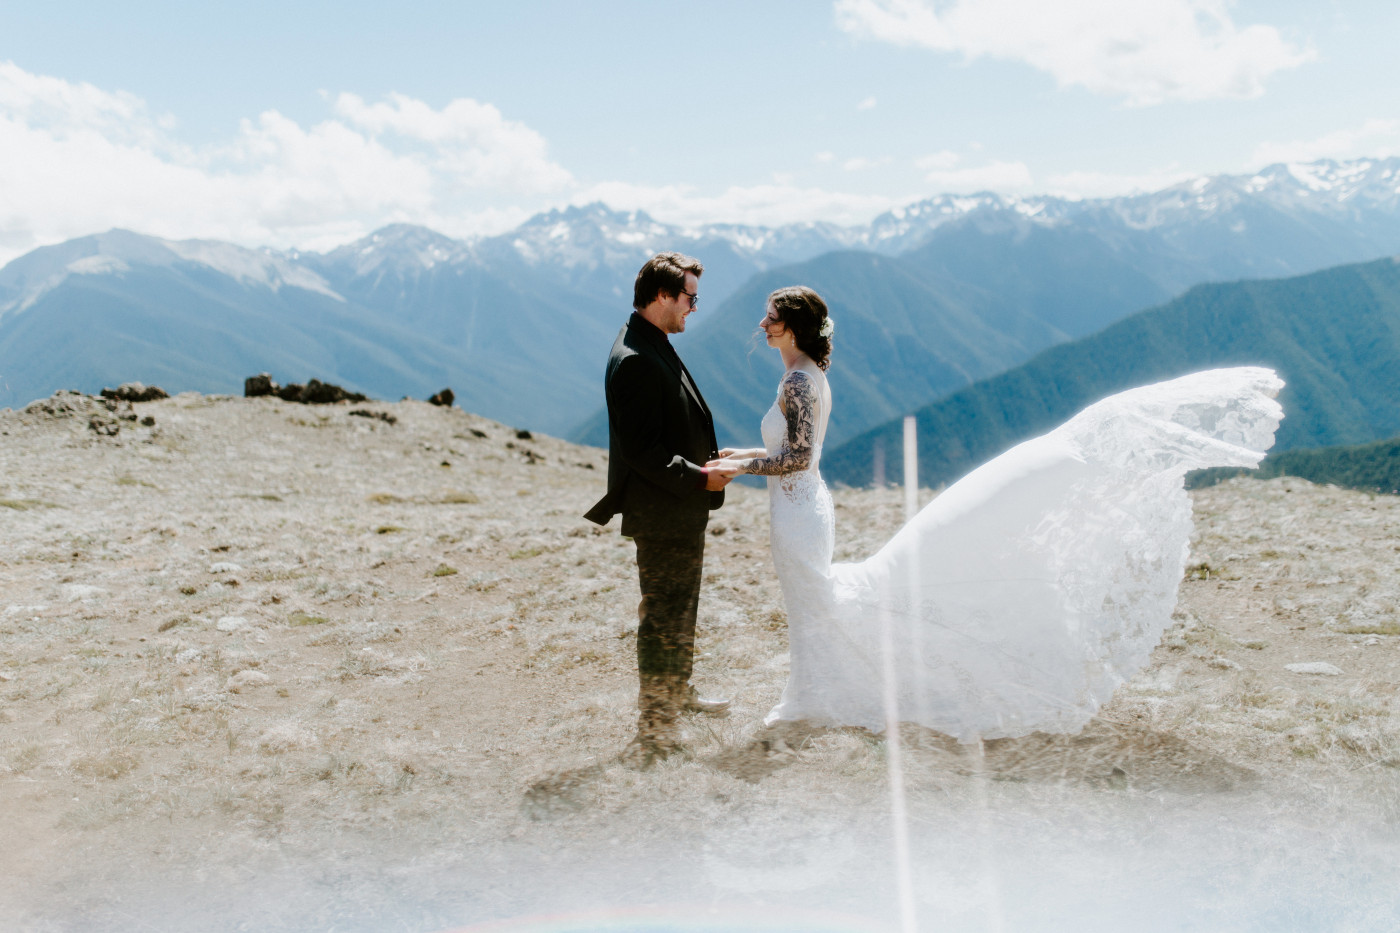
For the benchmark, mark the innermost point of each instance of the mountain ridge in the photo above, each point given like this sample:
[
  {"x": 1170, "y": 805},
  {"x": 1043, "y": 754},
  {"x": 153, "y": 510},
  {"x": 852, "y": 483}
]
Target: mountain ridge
[{"x": 520, "y": 322}]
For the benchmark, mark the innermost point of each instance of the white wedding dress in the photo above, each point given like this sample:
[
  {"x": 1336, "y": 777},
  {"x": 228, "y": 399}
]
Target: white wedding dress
[{"x": 1023, "y": 595}]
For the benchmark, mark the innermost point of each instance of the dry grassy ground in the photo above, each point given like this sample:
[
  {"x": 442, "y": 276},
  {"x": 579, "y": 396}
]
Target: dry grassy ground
[{"x": 273, "y": 667}]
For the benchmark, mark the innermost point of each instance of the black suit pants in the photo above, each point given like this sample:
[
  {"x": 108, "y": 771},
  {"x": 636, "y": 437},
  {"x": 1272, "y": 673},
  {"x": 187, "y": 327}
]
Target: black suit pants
[{"x": 669, "y": 568}]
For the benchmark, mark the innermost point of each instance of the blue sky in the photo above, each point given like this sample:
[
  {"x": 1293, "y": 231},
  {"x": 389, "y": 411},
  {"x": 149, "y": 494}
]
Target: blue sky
[{"x": 308, "y": 124}]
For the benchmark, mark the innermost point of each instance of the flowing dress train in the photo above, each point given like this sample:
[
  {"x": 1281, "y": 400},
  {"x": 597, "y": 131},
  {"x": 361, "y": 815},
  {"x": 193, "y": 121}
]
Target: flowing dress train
[{"x": 1023, "y": 595}]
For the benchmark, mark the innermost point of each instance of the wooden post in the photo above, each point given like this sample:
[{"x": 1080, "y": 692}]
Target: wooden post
[{"x": 911, "y": 468}]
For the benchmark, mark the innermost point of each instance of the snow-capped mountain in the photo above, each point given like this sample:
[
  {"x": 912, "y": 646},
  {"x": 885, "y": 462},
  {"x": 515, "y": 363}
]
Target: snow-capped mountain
[
  {"x": 1326, "y": 188},
  {"x": 519, "y": 323},
  {"x": 598, "y": 250},
  {"x": 32, "y": 276},
  {"x": 594, "y": 235},
  {"x": 396, "y": 249}
]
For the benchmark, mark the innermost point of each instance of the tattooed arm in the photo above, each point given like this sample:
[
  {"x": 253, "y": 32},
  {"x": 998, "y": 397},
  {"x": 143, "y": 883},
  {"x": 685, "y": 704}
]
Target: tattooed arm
[{"x": 797, "y": 397}]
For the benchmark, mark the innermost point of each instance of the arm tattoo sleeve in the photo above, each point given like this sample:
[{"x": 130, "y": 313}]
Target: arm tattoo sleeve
[{"x": 799, "y": 403}]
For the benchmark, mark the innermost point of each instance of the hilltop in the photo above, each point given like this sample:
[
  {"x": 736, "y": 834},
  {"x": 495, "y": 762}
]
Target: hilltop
[{"x": 273, "y": 666}]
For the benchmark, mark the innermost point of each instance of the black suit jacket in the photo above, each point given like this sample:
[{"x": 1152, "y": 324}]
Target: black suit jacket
[{"x": 660, "y": 434}]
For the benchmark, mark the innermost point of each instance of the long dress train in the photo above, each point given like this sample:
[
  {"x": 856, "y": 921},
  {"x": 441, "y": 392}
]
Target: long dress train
[{"x": 1022, "y": 596}]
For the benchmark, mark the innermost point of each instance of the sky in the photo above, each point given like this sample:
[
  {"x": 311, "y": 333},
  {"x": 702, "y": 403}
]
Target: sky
[{"x": 311, "y": 124}]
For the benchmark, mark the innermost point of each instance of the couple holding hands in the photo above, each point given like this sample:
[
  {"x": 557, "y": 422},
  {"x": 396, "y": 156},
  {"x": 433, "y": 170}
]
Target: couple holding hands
[{"x": 1015, "y": 601}]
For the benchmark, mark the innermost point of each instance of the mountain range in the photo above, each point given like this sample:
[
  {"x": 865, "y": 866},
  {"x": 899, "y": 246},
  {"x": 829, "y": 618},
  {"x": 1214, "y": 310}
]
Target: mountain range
[
  {"x": 1333, "y": 336},
  {"x": 927, "y": 299}
]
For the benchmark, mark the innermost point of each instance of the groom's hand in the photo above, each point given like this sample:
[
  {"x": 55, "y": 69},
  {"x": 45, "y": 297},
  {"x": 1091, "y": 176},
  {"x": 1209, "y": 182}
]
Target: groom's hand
[{"x": 715, "y": 481}]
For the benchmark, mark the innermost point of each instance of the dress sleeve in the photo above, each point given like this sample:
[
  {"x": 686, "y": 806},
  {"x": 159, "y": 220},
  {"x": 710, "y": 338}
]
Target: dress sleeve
[{"x": 797, "y": 397}]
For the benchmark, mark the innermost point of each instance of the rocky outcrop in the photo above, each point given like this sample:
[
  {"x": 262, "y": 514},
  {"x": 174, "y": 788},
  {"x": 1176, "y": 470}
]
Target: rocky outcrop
[
  {"x": 104, "y": 415},
  {"x": 315, "y": 392},
  {"x": 135, "y": 392},
  {"x": 64, "y": 403}
]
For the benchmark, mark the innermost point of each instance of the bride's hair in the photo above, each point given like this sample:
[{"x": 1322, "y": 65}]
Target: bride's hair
[{"x": 803, "y": 312}]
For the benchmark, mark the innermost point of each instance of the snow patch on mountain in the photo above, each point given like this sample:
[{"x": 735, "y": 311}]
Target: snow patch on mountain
[
  {"x": 400, "y": 248},
  {"x": 250, "y": 267},
  {"x": 97, "y": 265},
  {"x": 29, "y": 278}
]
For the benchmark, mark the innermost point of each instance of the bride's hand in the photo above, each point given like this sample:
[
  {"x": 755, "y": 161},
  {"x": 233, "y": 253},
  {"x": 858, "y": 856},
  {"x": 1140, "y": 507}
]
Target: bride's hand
[
  {"x": 726, "y": 467},
  {"x": 738, "y": 453}
]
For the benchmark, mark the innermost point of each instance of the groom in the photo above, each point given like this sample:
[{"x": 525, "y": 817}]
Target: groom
[{"x": 660, "y": 434}]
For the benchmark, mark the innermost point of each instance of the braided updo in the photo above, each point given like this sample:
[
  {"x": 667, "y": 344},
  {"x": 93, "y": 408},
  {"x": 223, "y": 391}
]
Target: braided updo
[{"x": 803, "y": 312}]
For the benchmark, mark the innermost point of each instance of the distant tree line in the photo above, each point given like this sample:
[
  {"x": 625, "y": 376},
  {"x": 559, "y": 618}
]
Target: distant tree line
[{"x": 1371, "y": 467}]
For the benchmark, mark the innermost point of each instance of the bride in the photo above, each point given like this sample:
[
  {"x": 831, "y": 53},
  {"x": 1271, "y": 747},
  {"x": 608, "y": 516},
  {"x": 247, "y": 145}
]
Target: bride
[{"x": 1022, "y": 596}]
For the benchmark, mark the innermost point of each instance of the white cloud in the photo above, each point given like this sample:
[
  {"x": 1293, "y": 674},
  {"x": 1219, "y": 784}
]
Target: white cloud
[
  {"x": 64, "y": 108},
  {"x": 941, "y": 171},
  {"x": 867, "y": 104},
  {"x": 76, "y": 159},
  {"x": 1113, "y": 184},
  {"x": 762, "y": 205},
  {"x": 861, "y": 163},
  {"x": 473, "y": 141},
  {"x": 1143, "y": 52},
  {"x": 937, "y": 161},
  {"x": 1002, "y": 177},
  {"x": 1377, "y": 138}
]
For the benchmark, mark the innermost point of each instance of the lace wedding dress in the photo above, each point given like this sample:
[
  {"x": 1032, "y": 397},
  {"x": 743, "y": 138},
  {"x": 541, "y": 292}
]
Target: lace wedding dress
[{"x": 1023, "y": 595}]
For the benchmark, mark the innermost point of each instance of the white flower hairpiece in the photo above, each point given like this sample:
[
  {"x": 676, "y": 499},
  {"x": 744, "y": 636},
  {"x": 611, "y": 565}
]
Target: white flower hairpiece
[{"x": 828, "y": 328}]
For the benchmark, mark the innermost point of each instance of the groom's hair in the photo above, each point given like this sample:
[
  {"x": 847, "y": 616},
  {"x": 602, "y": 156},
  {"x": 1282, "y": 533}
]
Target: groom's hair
[{"x": 664, "y": 272}]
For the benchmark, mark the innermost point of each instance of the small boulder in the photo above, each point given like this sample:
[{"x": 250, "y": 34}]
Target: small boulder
[
  {"x": 443, "y": 399},
  {"x": 259, "y": 385},
  {"x": 523, "y": 435},
  {"x": 103, "y": 425}
]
